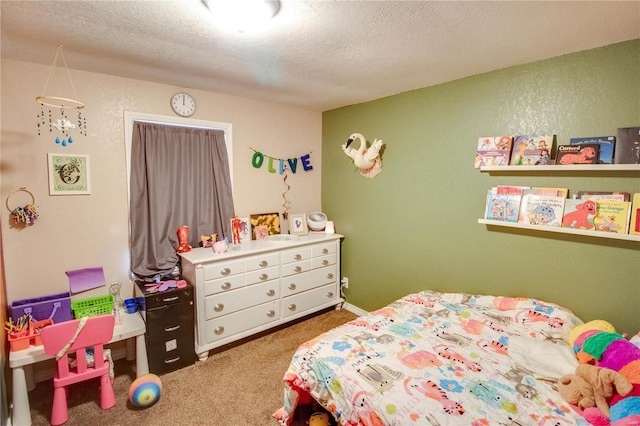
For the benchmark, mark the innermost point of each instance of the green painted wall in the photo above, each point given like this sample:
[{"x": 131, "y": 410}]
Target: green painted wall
[{"x": 415, "y": 227}]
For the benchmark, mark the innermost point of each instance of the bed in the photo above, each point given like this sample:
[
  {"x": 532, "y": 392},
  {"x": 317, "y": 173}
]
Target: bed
[{"x": 439, "y": 359}]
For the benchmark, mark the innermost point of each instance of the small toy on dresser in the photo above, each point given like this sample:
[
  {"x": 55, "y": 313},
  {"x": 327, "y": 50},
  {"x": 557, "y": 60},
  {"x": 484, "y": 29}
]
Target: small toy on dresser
[{"x": 597, "y": 345}]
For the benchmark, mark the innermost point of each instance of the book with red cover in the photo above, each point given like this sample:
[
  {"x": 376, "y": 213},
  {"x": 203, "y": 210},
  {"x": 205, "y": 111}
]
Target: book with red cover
[{"x": 578, "y": 154}]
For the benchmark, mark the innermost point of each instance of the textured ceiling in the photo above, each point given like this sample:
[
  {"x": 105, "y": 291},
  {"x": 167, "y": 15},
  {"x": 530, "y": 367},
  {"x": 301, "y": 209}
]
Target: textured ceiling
[{"x": 318, "y": 55}]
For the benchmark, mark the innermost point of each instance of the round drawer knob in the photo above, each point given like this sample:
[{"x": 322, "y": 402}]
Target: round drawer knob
[
  {"x": 330, "y": 294},
  {"x": 292, "y": 286},
  {"x": 225, "y": 271},
  {"x": 325, "y": 251},
  {"x": 218, "y": 307},
  {"x": 219, "y": 329},
  {"x": 330, "y": 276},
  {"x": 264, "y": 263},
  {"x": 271, "y": 313},
  {"x": 264, "y": 277},
  {"x": 298, "y": 269},
  {"x": 292, "y": 307},
  {"x": 297, "y": 257},
  {"x": 226, "y": 286},
  {"x": 271, "y": 292},
  {"x": 325, "y": 262}
]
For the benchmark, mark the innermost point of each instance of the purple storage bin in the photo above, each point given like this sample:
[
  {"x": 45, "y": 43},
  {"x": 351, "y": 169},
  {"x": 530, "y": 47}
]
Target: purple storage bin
[{"x": 56, "y": 307}]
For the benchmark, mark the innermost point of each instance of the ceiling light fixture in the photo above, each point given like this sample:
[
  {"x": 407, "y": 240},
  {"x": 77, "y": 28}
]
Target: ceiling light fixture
[{"x": 243, "y": 16}]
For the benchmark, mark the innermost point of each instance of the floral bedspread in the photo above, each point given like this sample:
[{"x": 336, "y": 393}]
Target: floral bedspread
[{"x": 432, "y": 359}]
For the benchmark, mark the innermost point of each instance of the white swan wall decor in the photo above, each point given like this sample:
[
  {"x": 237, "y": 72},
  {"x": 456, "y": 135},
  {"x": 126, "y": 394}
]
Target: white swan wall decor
[{"x": 366, "y": 159}]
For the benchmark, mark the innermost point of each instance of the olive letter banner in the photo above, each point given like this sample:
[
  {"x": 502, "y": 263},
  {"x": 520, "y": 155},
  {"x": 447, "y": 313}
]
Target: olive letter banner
[{"x": 282, "y": 165}]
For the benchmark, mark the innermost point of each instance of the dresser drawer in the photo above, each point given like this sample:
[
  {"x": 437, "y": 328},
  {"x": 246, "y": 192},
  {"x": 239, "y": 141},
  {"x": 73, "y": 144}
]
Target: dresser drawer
[
  {"x": 296, "y": 255},
  {"x": 223, "y": 284},
  {"x": 223, "y": 269},
  {"x": 323, "y": 249},
  {"x": 237, "y": 322},
  {"x": 296, "y": 267},
  {"x": 263, "y": 261},
  {"x": 262, "y": 275},
  {"x": 308, "y": 280},
  {"x": 319, "y": 262},
  {"x": 309, "y": 299},
  {"x": 227, "y": 303}
]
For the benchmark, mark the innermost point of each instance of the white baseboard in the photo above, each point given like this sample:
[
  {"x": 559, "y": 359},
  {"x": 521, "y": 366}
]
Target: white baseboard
[{"x": 351, "y": 308}]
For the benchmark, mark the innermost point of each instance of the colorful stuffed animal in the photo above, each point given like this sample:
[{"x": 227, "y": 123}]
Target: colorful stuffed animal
[
  {"x": 596, "y": 342},
  {"x": 593, "y": 386}
]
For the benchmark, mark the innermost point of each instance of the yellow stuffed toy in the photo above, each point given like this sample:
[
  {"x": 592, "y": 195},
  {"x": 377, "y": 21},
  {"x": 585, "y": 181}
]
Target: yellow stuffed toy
[{"x": 319, "y": 419}]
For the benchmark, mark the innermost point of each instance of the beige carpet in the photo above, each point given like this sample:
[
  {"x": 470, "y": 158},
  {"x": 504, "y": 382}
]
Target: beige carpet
[{"x": 240, "y": 386}]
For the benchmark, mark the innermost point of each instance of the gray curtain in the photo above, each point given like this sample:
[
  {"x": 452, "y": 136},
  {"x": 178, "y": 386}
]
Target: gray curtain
[{"x": 179, "y": 176}]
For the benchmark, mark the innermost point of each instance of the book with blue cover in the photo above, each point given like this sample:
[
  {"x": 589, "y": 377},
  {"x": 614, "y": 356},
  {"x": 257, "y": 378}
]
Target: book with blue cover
[{"x": 607, "y": 146}]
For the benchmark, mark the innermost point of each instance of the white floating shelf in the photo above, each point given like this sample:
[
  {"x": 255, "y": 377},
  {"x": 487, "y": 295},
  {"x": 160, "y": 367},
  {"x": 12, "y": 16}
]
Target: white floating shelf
[
  {"x": 567, "y": 168},
  {"x": 559, "y": 230}
]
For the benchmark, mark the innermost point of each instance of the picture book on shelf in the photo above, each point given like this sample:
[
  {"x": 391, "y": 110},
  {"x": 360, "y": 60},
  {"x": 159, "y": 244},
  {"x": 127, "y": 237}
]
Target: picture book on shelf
[
  {"x": 556, "y": 192},
  {"x": 493, "y": 151},
  {"x": 627, "y": 146},
  {"x": 603, "y": 195},
  {"x": 606, "y": 146},
  {"x": 612, "y": 216},
  {"x": 634, "y": 222},
  {"x": 544, "y": 210},
  {"x": 532, "y": 150},
  {"x": 503, "y": 207},
  {"x": 579, "y": 213},
  {"x": 509, "y": 189},
  {"x": 577, "y": 154}
]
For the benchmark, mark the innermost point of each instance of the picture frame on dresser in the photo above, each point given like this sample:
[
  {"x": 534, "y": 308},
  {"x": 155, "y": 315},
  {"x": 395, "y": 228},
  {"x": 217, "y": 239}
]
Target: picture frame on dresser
[
  {"x": 264, "y": 224},
  {"x": 298, "y": 223}
]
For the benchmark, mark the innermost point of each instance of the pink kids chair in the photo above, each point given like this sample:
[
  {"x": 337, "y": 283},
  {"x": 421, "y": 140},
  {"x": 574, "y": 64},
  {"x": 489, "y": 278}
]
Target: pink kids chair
[{"x": 69, "y": 342}]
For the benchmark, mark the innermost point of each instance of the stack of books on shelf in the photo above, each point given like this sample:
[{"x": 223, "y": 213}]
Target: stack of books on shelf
[
  {"x": 599, "y": 211},
  {"x": 533, "y": 150}
]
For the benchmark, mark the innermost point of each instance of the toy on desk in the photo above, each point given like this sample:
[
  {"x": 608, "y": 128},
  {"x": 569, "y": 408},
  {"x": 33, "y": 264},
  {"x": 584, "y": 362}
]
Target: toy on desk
[
  {"x": 145, "y": 390},
  {"x": 208, "y": 240}
]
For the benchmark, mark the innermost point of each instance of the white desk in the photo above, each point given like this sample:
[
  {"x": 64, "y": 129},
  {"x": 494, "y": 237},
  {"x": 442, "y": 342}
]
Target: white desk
[{"x": 21, "y": 363}]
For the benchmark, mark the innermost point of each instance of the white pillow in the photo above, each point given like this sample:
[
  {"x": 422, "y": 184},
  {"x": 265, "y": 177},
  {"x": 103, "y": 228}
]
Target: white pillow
[{"x": 545, "y": 359}]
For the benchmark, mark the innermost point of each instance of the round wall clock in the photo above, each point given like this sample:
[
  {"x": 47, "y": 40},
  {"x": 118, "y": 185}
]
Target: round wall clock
[{"x": 183, "y": 104}]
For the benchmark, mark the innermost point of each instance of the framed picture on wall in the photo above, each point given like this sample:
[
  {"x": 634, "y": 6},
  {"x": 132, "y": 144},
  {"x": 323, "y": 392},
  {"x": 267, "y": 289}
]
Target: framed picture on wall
[
  {"x": 69, "y": 174},
  {"x": 298, "y": 223},
  {"x": 264, "y": 224}
]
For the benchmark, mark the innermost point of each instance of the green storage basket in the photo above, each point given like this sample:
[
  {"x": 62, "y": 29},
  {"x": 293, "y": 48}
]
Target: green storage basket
[{"x": 92, "y": 306}]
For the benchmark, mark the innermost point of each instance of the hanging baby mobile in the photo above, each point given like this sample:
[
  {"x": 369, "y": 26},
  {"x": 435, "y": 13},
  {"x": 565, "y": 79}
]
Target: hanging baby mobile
[
  {"x": 280, "y": 166},
  {"x": 23, "y": 216},
  {"x": 56, "y": 116},
  {"x": 367, "y": 160}
]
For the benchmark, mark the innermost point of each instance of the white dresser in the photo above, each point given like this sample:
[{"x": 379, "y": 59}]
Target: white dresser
[{"x": 261, "y": 285}]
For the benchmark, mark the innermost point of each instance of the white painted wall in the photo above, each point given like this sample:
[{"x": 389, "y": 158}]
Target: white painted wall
[{"x": 81, "y": 231}]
